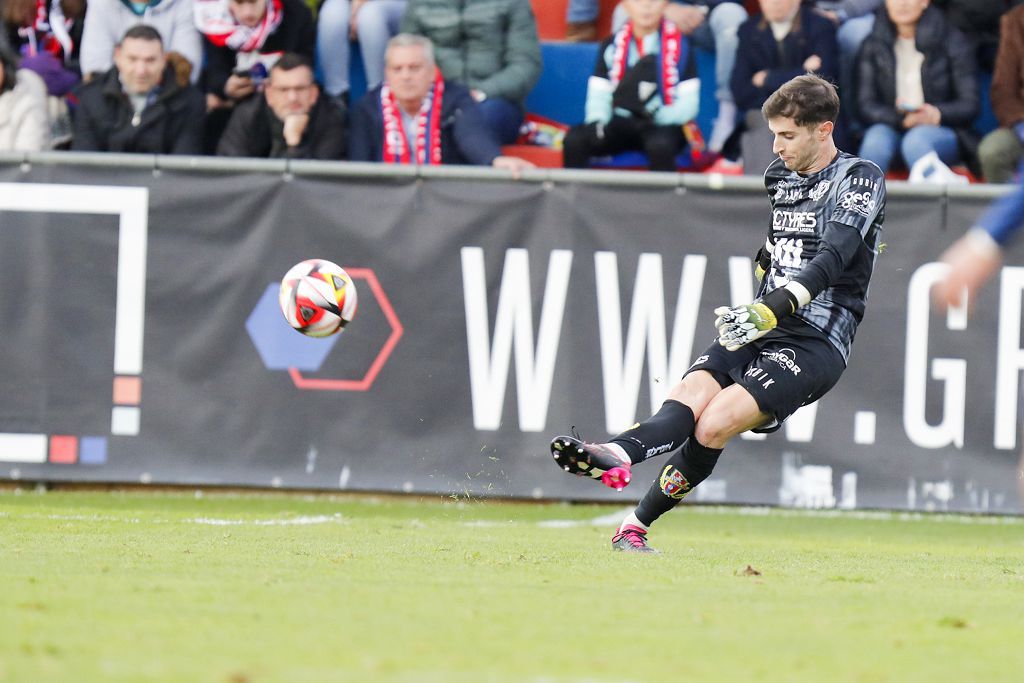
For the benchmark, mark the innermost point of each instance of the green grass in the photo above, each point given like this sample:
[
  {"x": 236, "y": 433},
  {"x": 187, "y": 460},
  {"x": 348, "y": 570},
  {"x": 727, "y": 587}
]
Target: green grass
[{"x": 136, "y": 587}]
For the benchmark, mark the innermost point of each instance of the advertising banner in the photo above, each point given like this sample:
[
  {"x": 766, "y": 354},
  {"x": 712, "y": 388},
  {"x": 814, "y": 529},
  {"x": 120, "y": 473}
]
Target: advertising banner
[{"x": 141, "y": 339}]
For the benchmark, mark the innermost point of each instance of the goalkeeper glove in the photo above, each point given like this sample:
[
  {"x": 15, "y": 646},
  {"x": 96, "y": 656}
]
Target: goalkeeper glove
[{"x": 740, "y": 325}]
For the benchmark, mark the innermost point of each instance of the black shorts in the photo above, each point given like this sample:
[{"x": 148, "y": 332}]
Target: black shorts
[{"x": 783, "y": 370}]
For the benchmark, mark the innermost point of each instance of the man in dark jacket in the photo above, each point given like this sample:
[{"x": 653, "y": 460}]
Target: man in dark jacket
[
  {"x": 916, "y": 88},
  {"x": 290, "y": 120},
  {"x": 782, "y": 42},
  {"x": 138, "y": 106},
  {"x": 417, "y": 117}
]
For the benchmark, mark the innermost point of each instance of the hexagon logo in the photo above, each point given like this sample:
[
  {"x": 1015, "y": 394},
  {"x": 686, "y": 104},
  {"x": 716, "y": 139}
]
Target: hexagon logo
[{"x": 282, "y": 348}]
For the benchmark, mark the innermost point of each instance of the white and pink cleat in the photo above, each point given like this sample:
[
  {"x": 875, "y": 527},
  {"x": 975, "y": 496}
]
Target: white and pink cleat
[{"x": 594, "y": 460}]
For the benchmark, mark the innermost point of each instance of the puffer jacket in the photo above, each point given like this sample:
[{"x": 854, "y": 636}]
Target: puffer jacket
[
  {"x": 172, "y": 124},
  {"x": 488, "y": 45},
  {"x": 947, "y": 74},
  {"x": 23, "y": 121}
]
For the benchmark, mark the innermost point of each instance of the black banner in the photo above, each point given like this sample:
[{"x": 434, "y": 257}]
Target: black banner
[{"x": 141, "y": 340}]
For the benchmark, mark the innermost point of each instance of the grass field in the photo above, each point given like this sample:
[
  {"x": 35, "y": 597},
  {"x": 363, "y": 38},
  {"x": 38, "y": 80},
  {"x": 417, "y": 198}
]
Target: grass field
[{"x": 233, "y": 588}]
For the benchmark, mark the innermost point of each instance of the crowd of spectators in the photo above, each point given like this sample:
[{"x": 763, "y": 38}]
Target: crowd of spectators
[{"x": 447, "y": 80}]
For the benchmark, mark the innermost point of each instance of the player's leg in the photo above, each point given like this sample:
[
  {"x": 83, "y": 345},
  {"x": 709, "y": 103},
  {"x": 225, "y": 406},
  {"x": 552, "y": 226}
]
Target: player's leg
[
  {"x": 732, "y": 410},
  {"x": 661, "y": 433}
]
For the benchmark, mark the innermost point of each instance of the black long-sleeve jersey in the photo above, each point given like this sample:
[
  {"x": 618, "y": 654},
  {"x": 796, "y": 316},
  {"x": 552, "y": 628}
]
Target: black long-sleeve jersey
[{"x": 824, "y": 234}]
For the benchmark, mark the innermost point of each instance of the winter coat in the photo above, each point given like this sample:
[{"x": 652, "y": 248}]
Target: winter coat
[
  {"x": 487, "y": 45},
  {"x": 24, "y": 123},
  {"x": 171, "y": 124},
  {"x": 255, "y": 131},
  {"x": 465, "y": 137},
  {"x": 106, "y": 22},
  {"x": 947, "y": 75},
  {"x": 296, "y": 33},
  {"x": 811, "y": 34}
]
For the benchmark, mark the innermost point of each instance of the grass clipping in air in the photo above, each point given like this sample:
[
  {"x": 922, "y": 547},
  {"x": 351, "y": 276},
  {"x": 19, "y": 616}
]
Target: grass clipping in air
[{"x": 239, "y": 588}]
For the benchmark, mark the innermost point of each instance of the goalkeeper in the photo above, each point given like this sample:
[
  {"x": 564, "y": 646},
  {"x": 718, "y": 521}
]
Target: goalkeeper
[{"x": 790, "y": 345}]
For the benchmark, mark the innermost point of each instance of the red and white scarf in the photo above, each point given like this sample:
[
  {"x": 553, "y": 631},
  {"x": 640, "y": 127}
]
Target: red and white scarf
[
  {"x": 671, "y": 42},
  {"x": 428, "y": 127},
  {"x": 49, "y": 31},
  {"x": 214, "y": 20}
]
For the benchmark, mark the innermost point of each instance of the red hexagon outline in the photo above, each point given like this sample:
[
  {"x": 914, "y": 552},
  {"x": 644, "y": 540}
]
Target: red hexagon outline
[{"x": 323, "y": 384}]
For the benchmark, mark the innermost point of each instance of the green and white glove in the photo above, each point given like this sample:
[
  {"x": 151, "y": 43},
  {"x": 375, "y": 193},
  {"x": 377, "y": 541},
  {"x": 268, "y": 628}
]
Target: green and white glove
[{"x": 740, "y": 325}]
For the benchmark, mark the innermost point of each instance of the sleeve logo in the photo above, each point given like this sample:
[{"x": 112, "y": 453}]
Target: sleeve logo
[{"x": 858, "y": 202}]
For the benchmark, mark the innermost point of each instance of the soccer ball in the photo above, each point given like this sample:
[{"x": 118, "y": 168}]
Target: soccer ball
[{"x": 318, "y": 298}]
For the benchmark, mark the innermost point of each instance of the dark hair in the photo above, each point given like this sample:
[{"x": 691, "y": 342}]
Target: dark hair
[
  {"x": 10, "y": 67},
  {"x": 291, "y": 60},
  {"x": 807, "y": 99},
  {"x": 142, "y": 32}
]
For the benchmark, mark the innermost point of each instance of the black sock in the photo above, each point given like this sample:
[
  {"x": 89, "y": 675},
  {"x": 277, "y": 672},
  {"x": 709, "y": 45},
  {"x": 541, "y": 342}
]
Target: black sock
[
  {"x": 681, "y": 473},
  {"x": 662, "y": 432}
]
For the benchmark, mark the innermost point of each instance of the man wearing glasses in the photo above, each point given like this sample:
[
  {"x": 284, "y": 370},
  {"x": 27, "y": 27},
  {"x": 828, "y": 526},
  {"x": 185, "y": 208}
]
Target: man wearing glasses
[{"x": 290, "y": 120}]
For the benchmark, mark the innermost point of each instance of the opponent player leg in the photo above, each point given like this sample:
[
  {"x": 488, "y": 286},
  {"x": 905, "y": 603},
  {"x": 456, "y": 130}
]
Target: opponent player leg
[
  {"x": 732, "y": 411},
  {"x": 661, "y": 433}
]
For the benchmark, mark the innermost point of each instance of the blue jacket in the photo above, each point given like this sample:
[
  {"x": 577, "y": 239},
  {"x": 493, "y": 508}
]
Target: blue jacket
[
  {"x": 465, "y": 137},
  {"x": 811, "y": 34}
]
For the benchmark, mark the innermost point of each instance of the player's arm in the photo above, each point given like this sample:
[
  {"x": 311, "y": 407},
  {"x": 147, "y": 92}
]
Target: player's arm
[{"x": 974, "y": 258}]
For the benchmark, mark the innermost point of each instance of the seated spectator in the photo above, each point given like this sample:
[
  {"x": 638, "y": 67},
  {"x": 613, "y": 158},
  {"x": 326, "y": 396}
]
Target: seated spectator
[
  {"x": 138, "y": 105},
  {"x": 1001, "y": 150},
  {"x": 24, "y": 124},
  {"x": 107, "y": 20},
  {"x": 417, "y": 117},
  {"x": 917, "y": 91},
  {"x": 47, "y": 36},
  {"x": 490, "y": 46},
  {"x": 372, "y": 23},
  {"x": 643, "y": 90},
  {"x": 783, "y": 42},
  {"x": 244, "y": 38},
  {"x": 710, "y": 25},
  {"x": 290, "y": 120}
]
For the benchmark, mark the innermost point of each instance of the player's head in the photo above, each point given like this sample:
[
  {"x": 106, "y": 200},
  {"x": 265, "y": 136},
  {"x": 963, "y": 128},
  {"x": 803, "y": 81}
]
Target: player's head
[{"x": 802, "y": 114}]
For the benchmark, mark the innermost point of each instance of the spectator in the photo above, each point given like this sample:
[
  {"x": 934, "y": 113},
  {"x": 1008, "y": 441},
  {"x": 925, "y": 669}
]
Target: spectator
[
  {"x": 47, "y": 36},
  {"x": 244, "y": 38},
  {"x": 1001, "y": 150},
  {"x": 417, "y": 117},
  {"x": 107, "y": 20},
  {"x": 290, "y": 120},
  {"x": 783, "y": 42},
  {"x": 138, "y": 105},
  {"x": 490, "y": 46},
  {"x": 24, "y": 126},
  {"x": 372, "y": 23},
  {"x": 916, "y": 87},
  {"x": 710, "y": 25},
  {"x": 643, "y": 90}
]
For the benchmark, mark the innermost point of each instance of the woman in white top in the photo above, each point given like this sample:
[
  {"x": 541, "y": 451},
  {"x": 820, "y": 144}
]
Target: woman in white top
[{"x": 24, "y": 122}]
